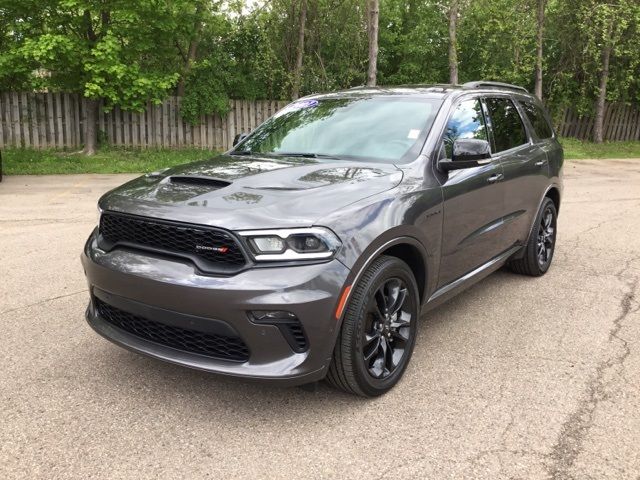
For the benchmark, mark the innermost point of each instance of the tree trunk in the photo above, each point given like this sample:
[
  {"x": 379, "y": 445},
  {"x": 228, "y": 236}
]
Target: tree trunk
[
  {"x": 598, "y": 126},
  {"x": 90, "y": 127},
  {"x": 538, "y": 84},
  {"x": 373, "y": 12},
  {"x": 192, "y": 52},
  {"x": 453, "y": 43},
  {"x": 191, "y": 56},
  {"x": 297, "y": 74}
]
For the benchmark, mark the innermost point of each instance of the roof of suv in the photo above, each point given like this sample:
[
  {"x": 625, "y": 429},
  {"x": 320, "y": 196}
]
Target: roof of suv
[{"x": 427, "y": 90}]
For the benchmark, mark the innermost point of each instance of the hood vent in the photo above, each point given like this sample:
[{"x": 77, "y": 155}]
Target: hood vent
[{"x": 199, "y": 181}]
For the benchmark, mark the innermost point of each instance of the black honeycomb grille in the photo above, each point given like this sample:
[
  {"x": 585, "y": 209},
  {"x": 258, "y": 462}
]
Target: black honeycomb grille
[
  {"x": 216, "y": 248},
  {"x": 216, "y": 346}
]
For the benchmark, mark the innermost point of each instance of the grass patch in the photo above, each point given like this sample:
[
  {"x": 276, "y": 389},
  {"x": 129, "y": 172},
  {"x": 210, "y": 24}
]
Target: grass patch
[
  {"x": 578, "y": 149},
  {"x": 120, "y": 160},
  {"x": 108, "y": 160}
]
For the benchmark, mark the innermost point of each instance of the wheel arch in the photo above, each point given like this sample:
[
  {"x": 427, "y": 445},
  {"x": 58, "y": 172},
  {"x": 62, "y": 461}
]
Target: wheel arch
[
  {"x": 407, "y": 248},
  {"x": 412, "y": 256},
  {"x": 554, "y": 194}
]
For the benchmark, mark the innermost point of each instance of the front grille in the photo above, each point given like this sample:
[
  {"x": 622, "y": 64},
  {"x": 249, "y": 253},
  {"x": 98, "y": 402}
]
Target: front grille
[
  {"x": 212, "y": 248},
  {"x": 217, "y": 346}
]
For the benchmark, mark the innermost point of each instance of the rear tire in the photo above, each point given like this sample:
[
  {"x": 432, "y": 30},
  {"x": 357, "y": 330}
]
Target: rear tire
[
  {"x": 378, "y": 332},
  {"x": 539, "y": 250}
]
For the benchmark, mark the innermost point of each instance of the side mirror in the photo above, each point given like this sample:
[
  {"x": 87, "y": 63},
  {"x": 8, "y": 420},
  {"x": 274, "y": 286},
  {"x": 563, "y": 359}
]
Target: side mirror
[
  {"x": 239, "y": 137},
  {"x": 467, "y": 153}
]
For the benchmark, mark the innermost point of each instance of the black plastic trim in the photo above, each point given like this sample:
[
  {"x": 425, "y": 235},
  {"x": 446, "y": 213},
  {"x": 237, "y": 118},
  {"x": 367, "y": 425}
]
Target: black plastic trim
[
  {"x": 286, "y": 325},
  {"x": 171, "y": 318}
]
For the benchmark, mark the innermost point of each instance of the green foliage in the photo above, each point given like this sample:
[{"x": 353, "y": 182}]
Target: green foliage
[
  {"x": 414, "y": 42},
  {"x": 578, "y": 31},
  {"x": 119, "y": 160},
  {"x": 116, "y": 50},
  {"x": 497, "y": 39},
  {"x": 111, "y": 77},
  {"x": 129, "y": 53},
  {"x": 206, "y": 92},
  {"x": 578, "y": 149},
  {"x": 107, "y": 160}
]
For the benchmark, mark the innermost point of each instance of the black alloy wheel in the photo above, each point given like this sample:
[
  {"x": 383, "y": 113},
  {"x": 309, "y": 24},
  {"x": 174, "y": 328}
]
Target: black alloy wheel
[
  {"x": 535, "y": 259},
  {"x": 546, "y": 237},
  {"x": 378, "y": 330},
  {"x": 387, "y": 328}
]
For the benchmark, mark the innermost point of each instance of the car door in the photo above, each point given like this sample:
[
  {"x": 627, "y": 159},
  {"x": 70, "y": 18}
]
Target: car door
[
  {"x": 524, "y": 164},
  {"x": 473, "y": 199}
]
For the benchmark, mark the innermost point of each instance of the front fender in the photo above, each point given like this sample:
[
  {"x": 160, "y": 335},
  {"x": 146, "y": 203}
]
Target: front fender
[{"x": 412, "y": 217}]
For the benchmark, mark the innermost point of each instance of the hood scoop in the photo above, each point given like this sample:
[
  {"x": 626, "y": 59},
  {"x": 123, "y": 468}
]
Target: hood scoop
[
  {"x": 181, "y": 188},
  {"x": 199, "y": 180}
]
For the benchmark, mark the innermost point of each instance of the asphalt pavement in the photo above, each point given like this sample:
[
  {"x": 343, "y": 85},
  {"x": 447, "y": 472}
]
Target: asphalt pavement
[{"x": 515, "y": 378}]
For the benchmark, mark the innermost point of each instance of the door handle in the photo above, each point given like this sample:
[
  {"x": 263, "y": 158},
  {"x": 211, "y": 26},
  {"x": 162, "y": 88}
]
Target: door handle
[
  {"x": 495, "y": 178},
  {"x": 540, "y": 163}
]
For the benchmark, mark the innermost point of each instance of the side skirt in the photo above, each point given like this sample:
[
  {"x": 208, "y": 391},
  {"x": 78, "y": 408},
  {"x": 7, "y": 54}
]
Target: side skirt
[{"x": 449, "y": 290}]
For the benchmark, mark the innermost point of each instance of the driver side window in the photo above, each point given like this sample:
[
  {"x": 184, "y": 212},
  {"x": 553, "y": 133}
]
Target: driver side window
[{"x": 467, "y": 121}]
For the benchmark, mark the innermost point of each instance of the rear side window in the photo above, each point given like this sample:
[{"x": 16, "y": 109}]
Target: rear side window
[
  {"x": 508, "y": 130},
  {"x": 467, "y": 121},
  {"x": 538, "y": 120}
]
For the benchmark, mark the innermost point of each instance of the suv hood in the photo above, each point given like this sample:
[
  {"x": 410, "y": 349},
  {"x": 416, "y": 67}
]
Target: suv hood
[{"x": 252, "y": 192}]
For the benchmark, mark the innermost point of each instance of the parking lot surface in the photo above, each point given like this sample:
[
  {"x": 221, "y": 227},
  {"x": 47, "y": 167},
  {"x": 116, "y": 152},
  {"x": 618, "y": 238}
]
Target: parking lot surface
[{"x": 515, "y": 378}]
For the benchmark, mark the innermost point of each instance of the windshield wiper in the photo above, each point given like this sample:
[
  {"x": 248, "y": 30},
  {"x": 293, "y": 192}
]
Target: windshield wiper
[
  {"x": 284, "y": 154},
  {"x": 303, "y": 155}
]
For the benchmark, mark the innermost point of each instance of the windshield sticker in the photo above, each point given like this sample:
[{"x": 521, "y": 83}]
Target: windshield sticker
[
  {"x": 303, "y": 104},
  {"x": 413, "y": 134}
]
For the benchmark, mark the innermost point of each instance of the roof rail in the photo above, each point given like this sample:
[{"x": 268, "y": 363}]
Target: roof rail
[{"x": 481, "y": 84}]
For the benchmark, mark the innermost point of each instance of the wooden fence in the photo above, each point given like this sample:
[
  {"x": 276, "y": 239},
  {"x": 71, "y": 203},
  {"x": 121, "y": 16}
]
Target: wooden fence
[
  {"x": 621, "y": 122},
  {"x": 56, "y": 120}
]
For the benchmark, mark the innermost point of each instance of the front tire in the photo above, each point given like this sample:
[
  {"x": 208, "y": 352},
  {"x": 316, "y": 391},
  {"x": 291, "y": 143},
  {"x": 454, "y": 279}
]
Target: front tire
[
  {"x": 379, "y": 329},
  {"x": 538, "y": 253}
]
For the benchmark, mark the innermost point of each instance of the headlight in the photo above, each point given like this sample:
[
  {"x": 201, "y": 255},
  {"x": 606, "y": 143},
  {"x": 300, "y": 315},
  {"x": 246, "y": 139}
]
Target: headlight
[
  {"x": 99, "y": 214},
  {"x": 292, "y": 244},
  {"x": 272, "y": 244}
]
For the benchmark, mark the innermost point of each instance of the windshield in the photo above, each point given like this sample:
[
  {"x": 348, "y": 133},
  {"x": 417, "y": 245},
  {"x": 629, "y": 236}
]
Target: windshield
[{"x": 372, "y": 129}]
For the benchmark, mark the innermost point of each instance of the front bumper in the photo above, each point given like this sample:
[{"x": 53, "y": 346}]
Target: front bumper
[{"x": 173, "y": 291}]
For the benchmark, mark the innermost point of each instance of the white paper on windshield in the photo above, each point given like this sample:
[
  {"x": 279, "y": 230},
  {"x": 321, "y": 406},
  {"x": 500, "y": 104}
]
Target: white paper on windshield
[{"x": 413, "y": 134}]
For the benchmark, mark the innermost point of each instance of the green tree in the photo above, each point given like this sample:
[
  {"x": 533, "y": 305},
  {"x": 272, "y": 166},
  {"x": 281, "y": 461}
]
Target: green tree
[
  {"x": 414, "y": 42},
  {"x": 454, "y": 9},
  {"x": 114, "y": 50},
  {"x": 497, "y": 41},
  {"x": 592, "y": 55},
  {"x": 297, "y": 71},
  {"x": 608, "y": 30},
  {"x": 541, "y": 6},
  {"x": 373, "y": 14},
  {"x": 209, "y": 51}
]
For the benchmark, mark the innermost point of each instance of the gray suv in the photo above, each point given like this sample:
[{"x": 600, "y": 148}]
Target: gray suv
[{"x": 311, "y": 249}]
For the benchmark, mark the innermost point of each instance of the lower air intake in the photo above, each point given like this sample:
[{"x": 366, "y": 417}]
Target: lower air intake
[{"x": 192, "y": 341}]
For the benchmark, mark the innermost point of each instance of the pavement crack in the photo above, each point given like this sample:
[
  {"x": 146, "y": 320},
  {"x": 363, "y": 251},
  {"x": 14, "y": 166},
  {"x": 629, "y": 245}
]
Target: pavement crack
[
  {"x": 43, "y": 301},
  {"x": 574, "y": 430},
  {"x": 575, "y": 241}
]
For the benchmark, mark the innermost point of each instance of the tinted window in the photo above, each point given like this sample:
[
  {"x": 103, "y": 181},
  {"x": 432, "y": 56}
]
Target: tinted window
[
  {"x": 383, "y": 129},
  {"x": 538, "y": 120},
  {"x": 467, "y": 121},
  {"x": 508, "y": 130}
]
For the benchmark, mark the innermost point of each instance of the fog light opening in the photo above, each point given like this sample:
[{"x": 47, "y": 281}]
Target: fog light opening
[
  {"x": 288, "y": 324},
  {"x": 272, "y": 317}
]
